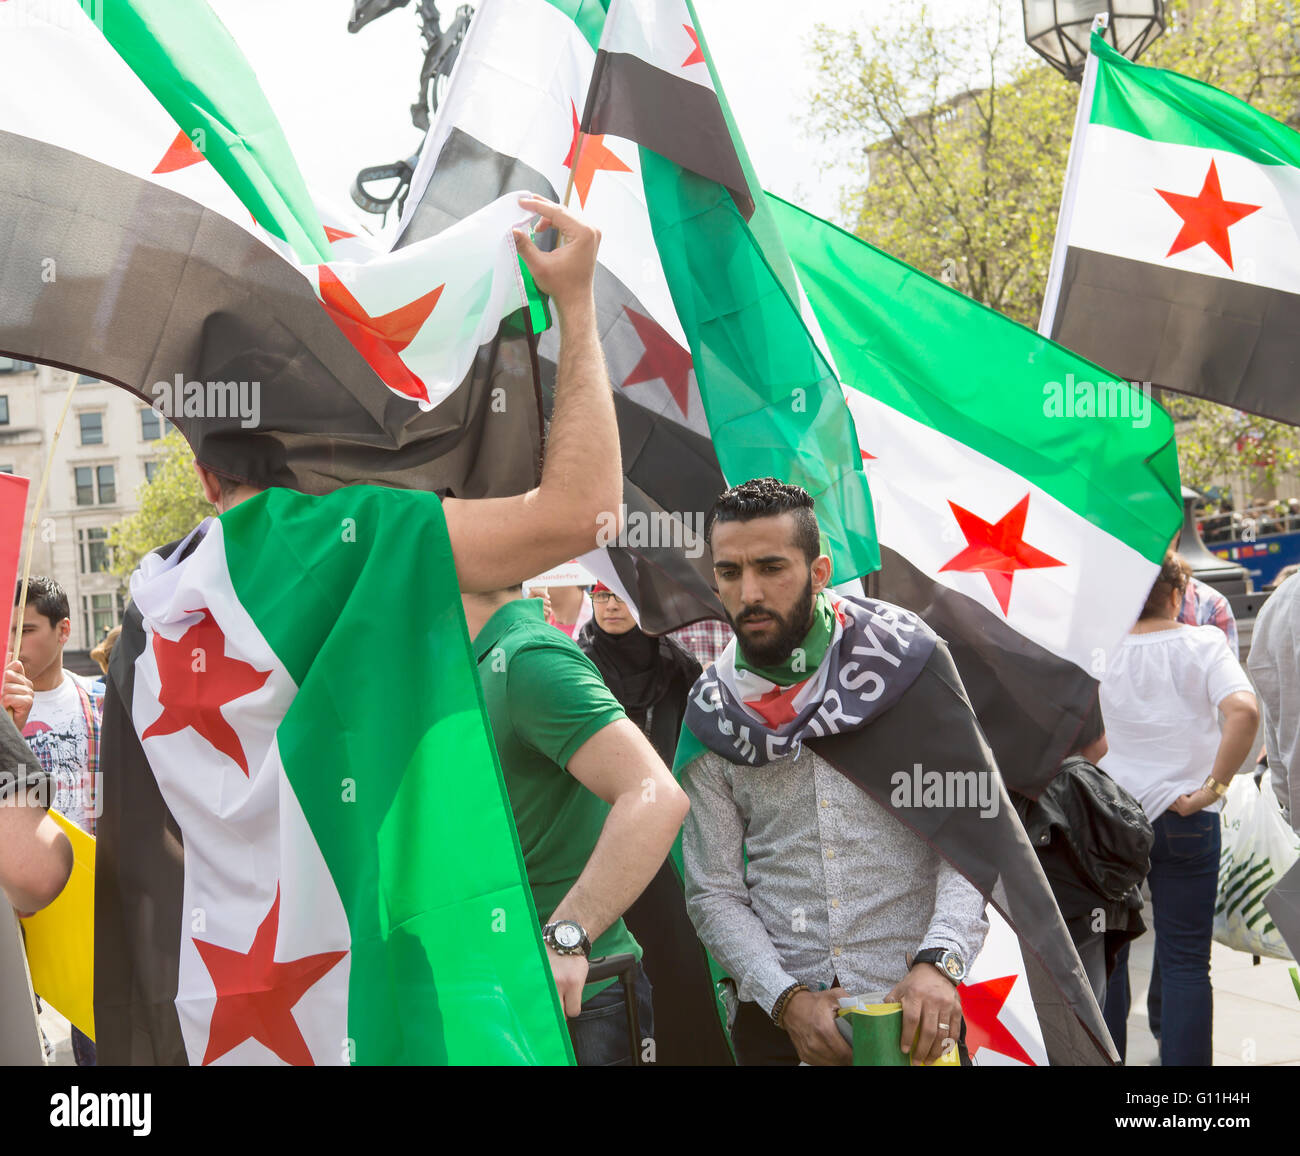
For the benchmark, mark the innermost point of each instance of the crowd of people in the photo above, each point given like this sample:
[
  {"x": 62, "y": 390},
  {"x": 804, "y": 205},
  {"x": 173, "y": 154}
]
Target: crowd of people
[{"x": 794, "y": 888}]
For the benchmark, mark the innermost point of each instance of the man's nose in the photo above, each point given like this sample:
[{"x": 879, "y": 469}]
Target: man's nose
[{"x": 751, "y": 590}]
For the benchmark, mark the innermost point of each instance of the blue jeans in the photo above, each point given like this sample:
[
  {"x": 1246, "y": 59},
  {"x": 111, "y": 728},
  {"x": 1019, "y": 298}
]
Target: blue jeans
[
  {"x": 599, "y": 1032},
  {"x": 1184, "y": 883}
]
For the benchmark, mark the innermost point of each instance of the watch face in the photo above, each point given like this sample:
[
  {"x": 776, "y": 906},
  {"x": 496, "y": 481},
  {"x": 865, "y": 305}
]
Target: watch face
[
  {"x": 568, "y": 935},
  {"x": 953, "y": 965}
]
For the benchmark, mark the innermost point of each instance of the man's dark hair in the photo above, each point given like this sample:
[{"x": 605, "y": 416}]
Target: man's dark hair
[
  {"x": 768, "y": 498},
  {"x": 46, "y": 595}
]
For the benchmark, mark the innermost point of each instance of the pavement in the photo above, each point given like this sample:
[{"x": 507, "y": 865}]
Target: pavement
[
  {"x": 1256, "y": 1009},
  {"x": 1256, "y": 1012}
]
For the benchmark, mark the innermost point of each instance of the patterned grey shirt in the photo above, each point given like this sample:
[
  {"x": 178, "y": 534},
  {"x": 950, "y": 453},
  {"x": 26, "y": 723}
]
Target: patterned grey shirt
[{"x": 835, "y": 887}]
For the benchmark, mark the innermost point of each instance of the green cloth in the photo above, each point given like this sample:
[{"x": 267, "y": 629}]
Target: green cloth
[
  {"x": 545, "y": 699},
  {"x": 808, "y": 655}
]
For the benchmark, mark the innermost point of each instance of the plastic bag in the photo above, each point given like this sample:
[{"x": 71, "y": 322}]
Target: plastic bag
[{"x": 1259, "y": 847}]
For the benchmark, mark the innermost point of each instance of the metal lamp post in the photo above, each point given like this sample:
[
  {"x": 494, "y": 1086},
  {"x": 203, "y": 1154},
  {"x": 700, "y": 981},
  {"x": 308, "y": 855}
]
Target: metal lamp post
[{"x": 1058, "y": 30}]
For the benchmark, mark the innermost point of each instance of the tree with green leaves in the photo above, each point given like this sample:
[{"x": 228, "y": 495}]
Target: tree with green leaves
[
  {"x": 959, "y": 135},
  {"x": 171, "y": 505}
]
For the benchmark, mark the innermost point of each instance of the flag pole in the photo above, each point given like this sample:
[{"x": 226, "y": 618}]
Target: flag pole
[
  {"x": 573, "y": 169},
  {"x": 1057, "y": 269},
  {"x": 36, "y": 510}
]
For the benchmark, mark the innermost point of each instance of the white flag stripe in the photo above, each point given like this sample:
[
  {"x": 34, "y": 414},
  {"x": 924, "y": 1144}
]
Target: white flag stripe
[
  {"x": 655, "y": 31},
  {"x": 1076, "y": 610},
  {"x": 1001, "y": 956},
  {"x": 1119, "y": 211},
  {"x": 244, "y": 837},
  {"x": 516, "y": 61}
]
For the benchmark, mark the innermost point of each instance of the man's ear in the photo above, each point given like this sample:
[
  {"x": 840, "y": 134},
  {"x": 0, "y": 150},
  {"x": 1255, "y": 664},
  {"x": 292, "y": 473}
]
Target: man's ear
[
  {"x": 821, "y": 573},
  {"x": 211, "y": 486},
  {"x": 65, "y": 630}
]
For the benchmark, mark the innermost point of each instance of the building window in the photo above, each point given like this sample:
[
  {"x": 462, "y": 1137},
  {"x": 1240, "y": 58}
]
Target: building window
[
  {"x": 4, "y": 410},
  {"x": 150, "y": 425},
  {"x": 99, "y": 615},
  {"x": 6, "y": 469},
  {"x": 94, "y": 550},
  {"x": 11, "y": 365},
  {"x": 92, "y": 429},
  {"x": 150, "y": 470},
  {"x": 85, "y": 486},
  {"x": 86, "y": 379},
  {"x": 107, "y": 478}
]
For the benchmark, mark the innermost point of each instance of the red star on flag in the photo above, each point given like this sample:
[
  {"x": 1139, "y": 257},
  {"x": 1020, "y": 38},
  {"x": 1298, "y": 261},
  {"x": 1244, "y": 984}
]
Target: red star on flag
[
  {"x": 380, "y": 339},
  {"x": 593, "y": 156},
  {"x": 696, "y": 57},
  {"x": 337, "y": 234},
  {"x": 256, "y": 995},
  {"x": 197, "y": 680},
  {"x": 180, "y": 155},
  {"x": 997, "y": 550},
  {"x": 777, "y": 705},
  {"x": 663, "y": 360},
  {"x": 1206, "y": 217},
  {"x": 980, "y": 1005},
  {"x": 866, "y": 457}
]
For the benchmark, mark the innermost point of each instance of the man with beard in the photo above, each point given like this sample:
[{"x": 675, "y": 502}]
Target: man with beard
[{"x": 799, "y": 883}]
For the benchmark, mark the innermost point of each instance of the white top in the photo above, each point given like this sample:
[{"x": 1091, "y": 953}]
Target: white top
[
  {"x": 56, "y": 733},
  {"x": 1159, "y": 700}
]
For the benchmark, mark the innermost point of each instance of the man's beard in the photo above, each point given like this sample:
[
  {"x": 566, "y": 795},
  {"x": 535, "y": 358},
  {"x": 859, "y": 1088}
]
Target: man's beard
[{"x": 790, "y": 631}]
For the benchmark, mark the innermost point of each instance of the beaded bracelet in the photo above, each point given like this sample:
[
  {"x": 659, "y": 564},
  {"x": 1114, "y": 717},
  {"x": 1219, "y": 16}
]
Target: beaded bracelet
[{"x": 778, "y": 1008}]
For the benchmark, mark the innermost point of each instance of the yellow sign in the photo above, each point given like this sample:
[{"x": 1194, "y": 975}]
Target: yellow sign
[{"x": 61, "y": 938}]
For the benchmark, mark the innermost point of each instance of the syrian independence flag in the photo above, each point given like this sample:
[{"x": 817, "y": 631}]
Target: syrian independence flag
[
  {"x": 159, "y": 235},
  {"x": 1178, "y": 249},
  {"x": 887, "y": 709},
  {"x": 314, "y": 867},
  {"x": 1024, "y": 533},
  {"x": 715, "y": 375}
]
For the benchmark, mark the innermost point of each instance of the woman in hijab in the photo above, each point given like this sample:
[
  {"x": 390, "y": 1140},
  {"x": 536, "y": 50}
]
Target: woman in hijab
[{"x": 652, "y": 679}]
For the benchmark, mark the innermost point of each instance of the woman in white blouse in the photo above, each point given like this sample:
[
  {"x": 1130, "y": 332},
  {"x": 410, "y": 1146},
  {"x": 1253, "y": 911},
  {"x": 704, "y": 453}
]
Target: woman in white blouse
[{"x": 1162, "y": 697}]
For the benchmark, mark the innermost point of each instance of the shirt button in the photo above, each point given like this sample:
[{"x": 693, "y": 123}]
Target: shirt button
[
  {"x": 835, "y": 902},
  {"x": 830, "y": 854},
  {"x": 835, "y": 951},
  {"x": 826, "y": 802}
]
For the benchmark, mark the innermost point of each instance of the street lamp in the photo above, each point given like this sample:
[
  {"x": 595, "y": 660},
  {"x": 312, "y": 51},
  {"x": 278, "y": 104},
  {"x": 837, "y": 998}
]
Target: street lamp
[{"x": 1058, "y": 30}]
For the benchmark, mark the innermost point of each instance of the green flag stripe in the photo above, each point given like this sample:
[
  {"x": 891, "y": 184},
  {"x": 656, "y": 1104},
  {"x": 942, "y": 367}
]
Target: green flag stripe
[
  {"x": 183, "y": 54},
  {"x": 398, "y": 778},
  {"x": 961, "y": 368},
  {"x": 774, "y": 406},
  {"x": 1163, "y": 106},
  {"x": 588, "y": 15}
]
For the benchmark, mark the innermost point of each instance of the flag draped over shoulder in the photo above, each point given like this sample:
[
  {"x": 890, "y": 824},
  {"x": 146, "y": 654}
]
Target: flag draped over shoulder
[
  {"x": 297, "y": 865},
  {"x": 1178, "y": 249},
  {"x": 1025, "y": 533},
  {"x": 716, "y": 376},
  {"x": 886, "y": 707},
  {"x": 161, "y": 237}
]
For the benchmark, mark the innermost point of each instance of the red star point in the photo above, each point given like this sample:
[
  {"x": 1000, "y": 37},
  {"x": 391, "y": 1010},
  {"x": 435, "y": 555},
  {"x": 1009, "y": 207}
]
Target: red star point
[
  {"x": 866, "y": 457},
  {"x": 334, "y": 234},
  {"x": 697, "y": 56},
  {"x": 256, "y": 995},
  {"x": 380, "y": 339},
  {"x": 1207, "y": 217},
  {"x": 777, "y": 706},
  {"x": 663, "y": 360},
  {"x": 592, "y": 157},
  {"x": 181, "y": 154},
  {"x": 998, "y": 549},
  {"x": 980, "y": 1005},
  {"x": 192, "y": 698}
]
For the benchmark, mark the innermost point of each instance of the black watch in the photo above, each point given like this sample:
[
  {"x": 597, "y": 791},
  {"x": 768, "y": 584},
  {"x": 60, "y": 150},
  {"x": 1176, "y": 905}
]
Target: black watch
[
  {"x": 945, "y": 959},
  {"x": 565, "y": 937}
]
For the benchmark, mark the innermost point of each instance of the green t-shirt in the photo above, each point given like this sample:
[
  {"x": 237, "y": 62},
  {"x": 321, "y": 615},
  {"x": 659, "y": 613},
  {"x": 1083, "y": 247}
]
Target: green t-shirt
[{"x": 545, "y": 699}]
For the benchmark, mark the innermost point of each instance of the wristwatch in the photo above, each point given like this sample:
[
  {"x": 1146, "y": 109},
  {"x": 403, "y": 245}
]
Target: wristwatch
[
  {"x": 564, "y": 937},
  {"x": 945, "y": 959}
]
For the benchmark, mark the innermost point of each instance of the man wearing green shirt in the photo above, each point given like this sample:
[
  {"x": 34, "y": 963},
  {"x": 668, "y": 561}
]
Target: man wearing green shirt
[{"x": 596, "y": 809}]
